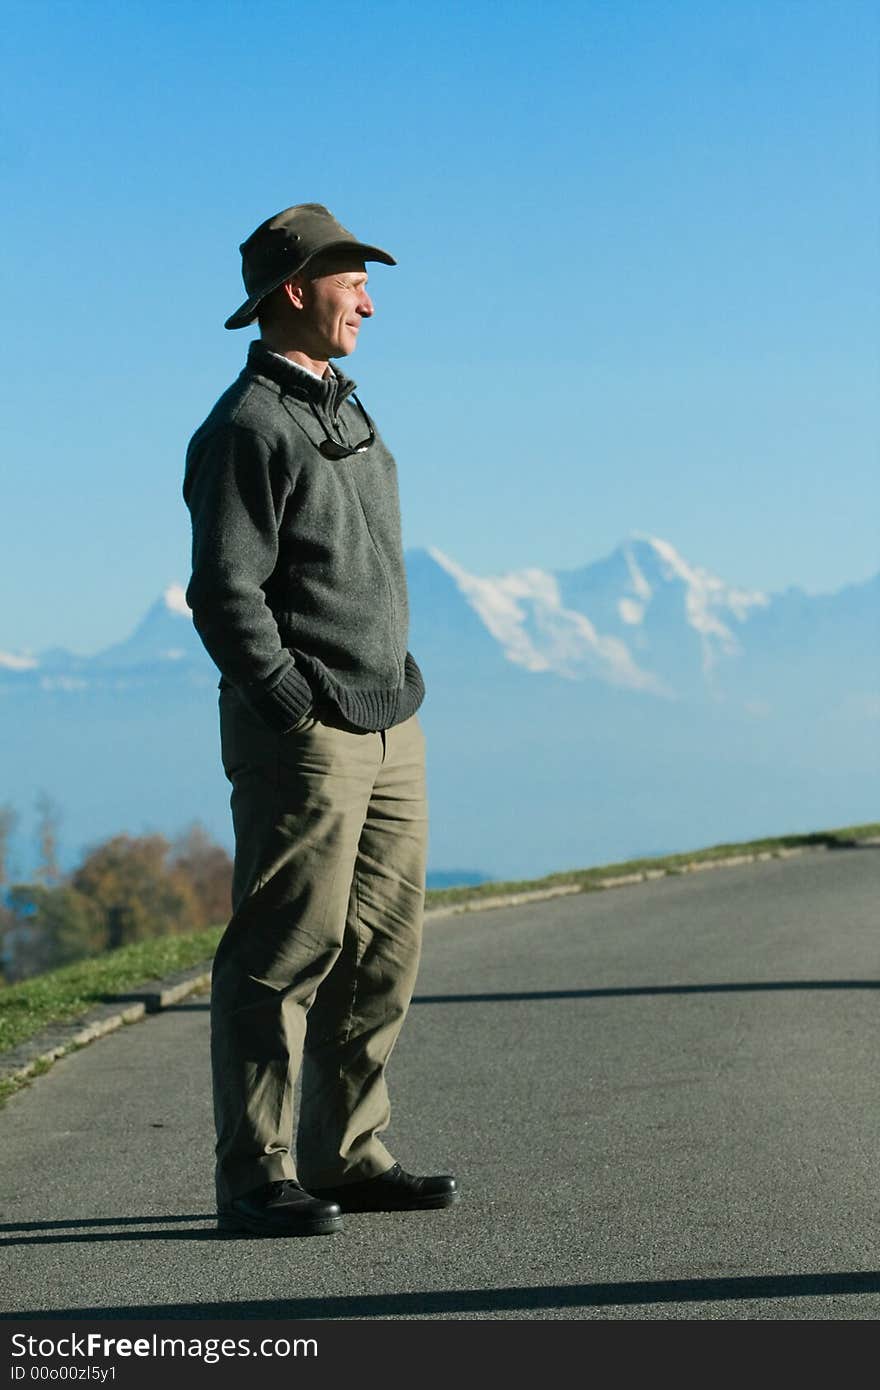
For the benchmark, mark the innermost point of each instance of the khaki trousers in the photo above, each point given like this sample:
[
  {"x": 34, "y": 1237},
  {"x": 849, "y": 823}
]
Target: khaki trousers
[{"x": 315, "y": 972}]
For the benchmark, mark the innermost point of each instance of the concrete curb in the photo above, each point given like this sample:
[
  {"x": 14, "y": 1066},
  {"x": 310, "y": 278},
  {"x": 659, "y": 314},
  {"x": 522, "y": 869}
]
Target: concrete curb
[
  {"x": 38, "y": 1053},
  {"x": 621, "y": 880},
  {"x": 41, "y": 1051}
]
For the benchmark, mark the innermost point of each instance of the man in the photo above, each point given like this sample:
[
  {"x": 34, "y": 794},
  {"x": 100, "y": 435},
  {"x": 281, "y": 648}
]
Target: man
[{"x": 298, "y": 592}]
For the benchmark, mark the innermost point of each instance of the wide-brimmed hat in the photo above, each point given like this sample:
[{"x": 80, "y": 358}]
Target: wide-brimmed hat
[{"x": 284, "y": 244}]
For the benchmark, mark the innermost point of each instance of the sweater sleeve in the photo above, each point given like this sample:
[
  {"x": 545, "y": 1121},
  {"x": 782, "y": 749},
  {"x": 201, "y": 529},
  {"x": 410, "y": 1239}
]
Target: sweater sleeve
[{"x": 235, "y": 499}]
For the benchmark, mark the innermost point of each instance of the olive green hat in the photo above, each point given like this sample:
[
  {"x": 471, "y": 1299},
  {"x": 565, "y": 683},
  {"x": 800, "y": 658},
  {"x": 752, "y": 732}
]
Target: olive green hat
[{"x": 283, "y": 245}]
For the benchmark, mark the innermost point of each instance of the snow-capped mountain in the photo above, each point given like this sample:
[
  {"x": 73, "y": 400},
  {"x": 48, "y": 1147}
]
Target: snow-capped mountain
[
  {"x": 645, "y": 619},
  {"x": 163, "y": 640},
  {"x": 646, "y": 578},
  {"x": 164, "y": 635},
  {"x": 641, "y": 703},
  {"x": 642, "y": 619},
  {"x": 525, "y": 613},
  {"x": 677, "y": 618}
]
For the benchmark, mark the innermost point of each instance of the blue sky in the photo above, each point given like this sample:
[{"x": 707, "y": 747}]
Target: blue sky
[{"x": 637, "y": 285}]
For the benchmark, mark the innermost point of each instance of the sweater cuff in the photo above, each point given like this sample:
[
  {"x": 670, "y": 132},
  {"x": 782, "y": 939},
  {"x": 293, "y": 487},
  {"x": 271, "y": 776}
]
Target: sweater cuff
[{"x": 282, "y": 705}]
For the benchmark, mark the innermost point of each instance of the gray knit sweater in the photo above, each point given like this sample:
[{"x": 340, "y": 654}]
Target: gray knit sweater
[{"x": 298, "y": 586}]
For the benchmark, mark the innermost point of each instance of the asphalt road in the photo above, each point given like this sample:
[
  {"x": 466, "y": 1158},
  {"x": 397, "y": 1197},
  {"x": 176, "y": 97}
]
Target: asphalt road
[{"x": 662, "y": 1102}]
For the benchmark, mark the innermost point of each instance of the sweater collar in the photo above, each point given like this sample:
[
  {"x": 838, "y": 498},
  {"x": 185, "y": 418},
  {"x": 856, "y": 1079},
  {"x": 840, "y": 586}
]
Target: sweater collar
[{"x": 327, "y": 392}]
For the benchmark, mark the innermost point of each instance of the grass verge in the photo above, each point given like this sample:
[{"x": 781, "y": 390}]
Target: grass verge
[
  {"x": 589, "y": 880},
  {"x": 60, "y": 995},
  {"x": 28, "y": 1008}
]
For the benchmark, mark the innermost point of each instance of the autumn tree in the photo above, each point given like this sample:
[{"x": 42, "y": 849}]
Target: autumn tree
[
  {"x": 207, "y": 868},
  {"x": 126, "y": 889},
  {"x": 128, "y": 879},
  {"x": 48, "y": 822},
  {"x": 8, "y": 822},
  {"x": 51, "y": 927}
]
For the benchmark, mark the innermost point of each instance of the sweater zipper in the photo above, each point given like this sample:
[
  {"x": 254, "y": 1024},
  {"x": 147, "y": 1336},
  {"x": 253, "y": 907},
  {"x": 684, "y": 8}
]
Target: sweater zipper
[{"x": 391, "y": 603}]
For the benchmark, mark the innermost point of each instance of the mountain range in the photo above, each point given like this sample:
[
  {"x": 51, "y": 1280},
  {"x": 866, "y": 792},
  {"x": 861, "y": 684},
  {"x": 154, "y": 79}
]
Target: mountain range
[{"x": 636, "y": 705}]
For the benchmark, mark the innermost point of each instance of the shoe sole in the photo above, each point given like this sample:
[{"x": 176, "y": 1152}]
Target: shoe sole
[
  {"x": 231, "y": 1224},
  {"x": 442, "y": 1199}
]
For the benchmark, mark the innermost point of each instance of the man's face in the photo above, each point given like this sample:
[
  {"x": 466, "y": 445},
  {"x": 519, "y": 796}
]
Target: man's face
[{"x": 334, "y": 304}]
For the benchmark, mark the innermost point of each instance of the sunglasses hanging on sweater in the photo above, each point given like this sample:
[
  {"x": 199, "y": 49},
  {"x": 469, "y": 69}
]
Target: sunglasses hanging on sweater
[{"x": 333, "y": 448}]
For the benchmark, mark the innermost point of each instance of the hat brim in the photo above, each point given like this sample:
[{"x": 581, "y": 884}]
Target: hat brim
[{"x": 247, "y": 312}]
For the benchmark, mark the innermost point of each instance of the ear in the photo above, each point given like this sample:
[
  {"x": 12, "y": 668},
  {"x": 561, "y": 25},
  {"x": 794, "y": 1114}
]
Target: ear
[{"x": 293, "y": 291}]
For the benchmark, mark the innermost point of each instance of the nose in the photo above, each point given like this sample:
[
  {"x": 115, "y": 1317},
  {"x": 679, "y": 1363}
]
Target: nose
[{"x": 365, "y": 306}]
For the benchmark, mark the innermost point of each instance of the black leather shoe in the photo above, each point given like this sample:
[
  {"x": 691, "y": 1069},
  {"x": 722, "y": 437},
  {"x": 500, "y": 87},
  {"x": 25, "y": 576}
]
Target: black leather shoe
[
  {"x": 393, "y": 1191},
  {"x": 280, "y": 1209}
]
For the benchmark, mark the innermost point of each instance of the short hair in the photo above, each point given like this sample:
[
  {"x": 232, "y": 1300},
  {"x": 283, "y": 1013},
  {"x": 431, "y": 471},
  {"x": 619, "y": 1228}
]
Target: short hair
[{"x": 268, "y": 307}]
